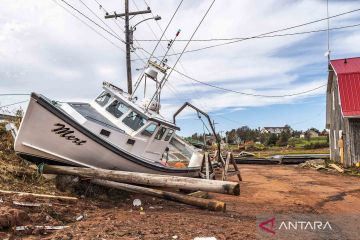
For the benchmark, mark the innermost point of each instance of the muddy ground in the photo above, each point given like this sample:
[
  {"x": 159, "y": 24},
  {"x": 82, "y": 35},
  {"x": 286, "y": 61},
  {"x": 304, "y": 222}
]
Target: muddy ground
[{"x": 272, "y": 189}]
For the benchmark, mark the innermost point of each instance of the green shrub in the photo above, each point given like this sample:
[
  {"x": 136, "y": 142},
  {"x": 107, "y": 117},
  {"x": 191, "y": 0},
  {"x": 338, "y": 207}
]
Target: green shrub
[{"x": 316, "y": 145}]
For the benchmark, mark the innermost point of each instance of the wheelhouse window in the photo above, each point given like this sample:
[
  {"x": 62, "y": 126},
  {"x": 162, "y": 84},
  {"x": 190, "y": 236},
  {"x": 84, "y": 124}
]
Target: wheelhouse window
[
  {"x": 117, "y": 108},
  {"x": 103, "y": 99},
  {"x": 149, "y": 130},
  {"x": 160, "y": 133},
  {"x": 134, "y": 121},
  {"x": 168, "y": 135}
]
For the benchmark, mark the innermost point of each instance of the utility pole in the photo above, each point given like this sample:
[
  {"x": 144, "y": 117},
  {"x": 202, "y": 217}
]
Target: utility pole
[
  {"x": 128, "y": 55},
  {"x": 128, "y": 38}
]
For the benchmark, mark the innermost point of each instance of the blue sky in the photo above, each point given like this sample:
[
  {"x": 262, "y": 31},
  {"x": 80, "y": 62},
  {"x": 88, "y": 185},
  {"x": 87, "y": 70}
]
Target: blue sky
[{"x": 49, "y": 51}]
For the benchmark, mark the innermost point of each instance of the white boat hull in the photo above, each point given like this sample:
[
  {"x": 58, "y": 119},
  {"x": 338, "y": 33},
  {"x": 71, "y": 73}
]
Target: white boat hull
[{"x": 40, "y": 140}]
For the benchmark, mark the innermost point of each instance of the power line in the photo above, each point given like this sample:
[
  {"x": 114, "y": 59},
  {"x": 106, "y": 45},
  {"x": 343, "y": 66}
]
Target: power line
[
  {"x": 91, "y": 20},
  {"x": 267, "y": 33},
  {"x": 97, "y": 32},
  {"x": 249, "y": 94},
  {"x": 267, "y": 36},
  {"x": 101, "y": 20},
  {"x": 238, "y": 92},
  {"x": 13, "y": 104},
  {"x": 117, "y": 24},
  {"x": 187, "y": 44},
  {"x": 14, "y": 94},
  {"x": 242, "y": 93}
]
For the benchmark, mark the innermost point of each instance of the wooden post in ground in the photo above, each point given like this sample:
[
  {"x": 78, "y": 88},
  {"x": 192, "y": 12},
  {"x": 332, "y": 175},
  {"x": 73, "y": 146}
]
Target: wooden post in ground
[
  {"x": 207, "y": 165},
  {"x": 230, "y": 160}
]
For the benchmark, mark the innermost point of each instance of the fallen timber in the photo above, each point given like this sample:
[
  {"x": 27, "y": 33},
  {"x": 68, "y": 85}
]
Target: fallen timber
[
  {"x": 155, "y": 180},
  {"x": 212, "y": 205}
]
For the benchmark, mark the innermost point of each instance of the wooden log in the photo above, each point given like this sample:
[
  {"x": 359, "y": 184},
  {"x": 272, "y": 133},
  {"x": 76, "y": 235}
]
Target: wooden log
[
  {"x": 147, "y": 179},
  {"x": 194, "y": 201},
  {"x": 40, "y": 195}
]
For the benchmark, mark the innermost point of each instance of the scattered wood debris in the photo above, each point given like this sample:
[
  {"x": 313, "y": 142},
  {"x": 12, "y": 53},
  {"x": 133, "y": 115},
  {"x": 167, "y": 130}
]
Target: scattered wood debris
[
  {"x": 25, "y": 228},
  {"x": 31, "y": 204},
  {"x": 336, "y": 167},
  {"x": 315, "y": 164}
]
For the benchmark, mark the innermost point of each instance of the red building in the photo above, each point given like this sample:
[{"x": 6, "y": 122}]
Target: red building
[{"x": 343, "y": 110}]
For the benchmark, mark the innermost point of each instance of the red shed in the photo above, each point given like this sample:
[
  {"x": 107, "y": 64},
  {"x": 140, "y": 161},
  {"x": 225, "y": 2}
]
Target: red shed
[{"x": 343, "y": 110}]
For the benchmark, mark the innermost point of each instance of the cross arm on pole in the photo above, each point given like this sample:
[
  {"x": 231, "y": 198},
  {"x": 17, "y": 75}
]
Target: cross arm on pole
[{"x": 116, "y": 15}]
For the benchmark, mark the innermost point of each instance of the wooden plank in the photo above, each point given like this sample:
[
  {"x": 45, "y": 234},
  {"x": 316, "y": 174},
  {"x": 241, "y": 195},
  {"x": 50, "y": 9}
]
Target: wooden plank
[{"x": 336, "y": 167}]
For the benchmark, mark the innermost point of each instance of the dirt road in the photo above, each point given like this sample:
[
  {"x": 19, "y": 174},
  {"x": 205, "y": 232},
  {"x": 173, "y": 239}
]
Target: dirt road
[{"x": 265, "y": 189}]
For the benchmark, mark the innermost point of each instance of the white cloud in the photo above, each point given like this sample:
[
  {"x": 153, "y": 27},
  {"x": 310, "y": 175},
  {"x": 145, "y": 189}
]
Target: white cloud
[{"x": 47, "y": 45}]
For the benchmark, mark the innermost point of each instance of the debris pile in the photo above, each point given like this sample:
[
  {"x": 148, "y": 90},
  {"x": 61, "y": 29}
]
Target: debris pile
[
  {"x": 315, "y": 164},
  {"x": 321, "y": 164}
]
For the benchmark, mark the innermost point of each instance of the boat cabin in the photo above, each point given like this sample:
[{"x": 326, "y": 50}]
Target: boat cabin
[{"x": 122, "y": 122}]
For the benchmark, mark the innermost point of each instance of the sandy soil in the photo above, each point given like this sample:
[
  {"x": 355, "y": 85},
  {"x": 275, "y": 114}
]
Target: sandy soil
[{"x": 265, "y": 189}]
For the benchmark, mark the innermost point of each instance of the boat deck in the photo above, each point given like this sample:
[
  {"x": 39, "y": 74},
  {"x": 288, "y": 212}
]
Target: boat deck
[{"x": 87, "y": 111}]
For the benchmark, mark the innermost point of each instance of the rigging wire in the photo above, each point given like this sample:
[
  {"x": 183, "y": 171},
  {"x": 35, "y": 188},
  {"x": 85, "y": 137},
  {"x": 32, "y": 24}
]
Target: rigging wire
[
  {"x": 97, "y": 32},
  {"x": 187, "y": 44},
  {"x": 157, "y": 44},
  {"x": 193, "y": 92},
  {"x": 167, "y": 26},
  {"x": 267, "y": 33}
]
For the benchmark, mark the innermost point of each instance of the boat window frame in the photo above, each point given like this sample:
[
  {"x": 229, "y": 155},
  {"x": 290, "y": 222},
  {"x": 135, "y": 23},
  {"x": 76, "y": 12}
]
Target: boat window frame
[
  {"x": 103, "y": 94},
  {"x": 125, "y": 113},
  {"x": 169, "y": 134},
  {"x": 158, "y": 133},
  {"x": 128, "y": 116},
  {"x": 147, "y": 126}
]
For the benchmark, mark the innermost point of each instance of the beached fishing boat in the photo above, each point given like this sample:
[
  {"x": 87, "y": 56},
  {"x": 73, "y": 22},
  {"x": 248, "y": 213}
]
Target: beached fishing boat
[
  {"x": 111, "y": 132},
  {"x": 116, "y": 130}
]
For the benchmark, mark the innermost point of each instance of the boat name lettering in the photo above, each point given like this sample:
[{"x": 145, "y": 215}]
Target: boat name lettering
[{"x": 67, "y": 133}]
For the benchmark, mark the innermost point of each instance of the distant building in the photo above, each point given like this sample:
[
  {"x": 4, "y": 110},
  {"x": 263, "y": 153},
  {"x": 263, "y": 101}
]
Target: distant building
[
  {"x": 275, "y": 130},
  {"x": 312, "y": 133},
  {"x": 343, "y": 110}
]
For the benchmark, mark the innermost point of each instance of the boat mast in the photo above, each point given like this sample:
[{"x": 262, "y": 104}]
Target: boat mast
[{"x": 128, "y": 38}]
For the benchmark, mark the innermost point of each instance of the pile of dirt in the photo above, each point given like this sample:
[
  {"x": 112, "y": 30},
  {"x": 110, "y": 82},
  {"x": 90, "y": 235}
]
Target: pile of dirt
[{"x": 15, "y": 173}]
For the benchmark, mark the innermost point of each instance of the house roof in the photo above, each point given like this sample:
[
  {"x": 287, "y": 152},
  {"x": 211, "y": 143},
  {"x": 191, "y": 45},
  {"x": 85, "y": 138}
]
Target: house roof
[{"x": 348, "y": 75}]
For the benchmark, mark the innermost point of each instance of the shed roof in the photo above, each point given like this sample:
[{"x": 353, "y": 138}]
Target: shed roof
[{"x": 348, "y": 75}]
